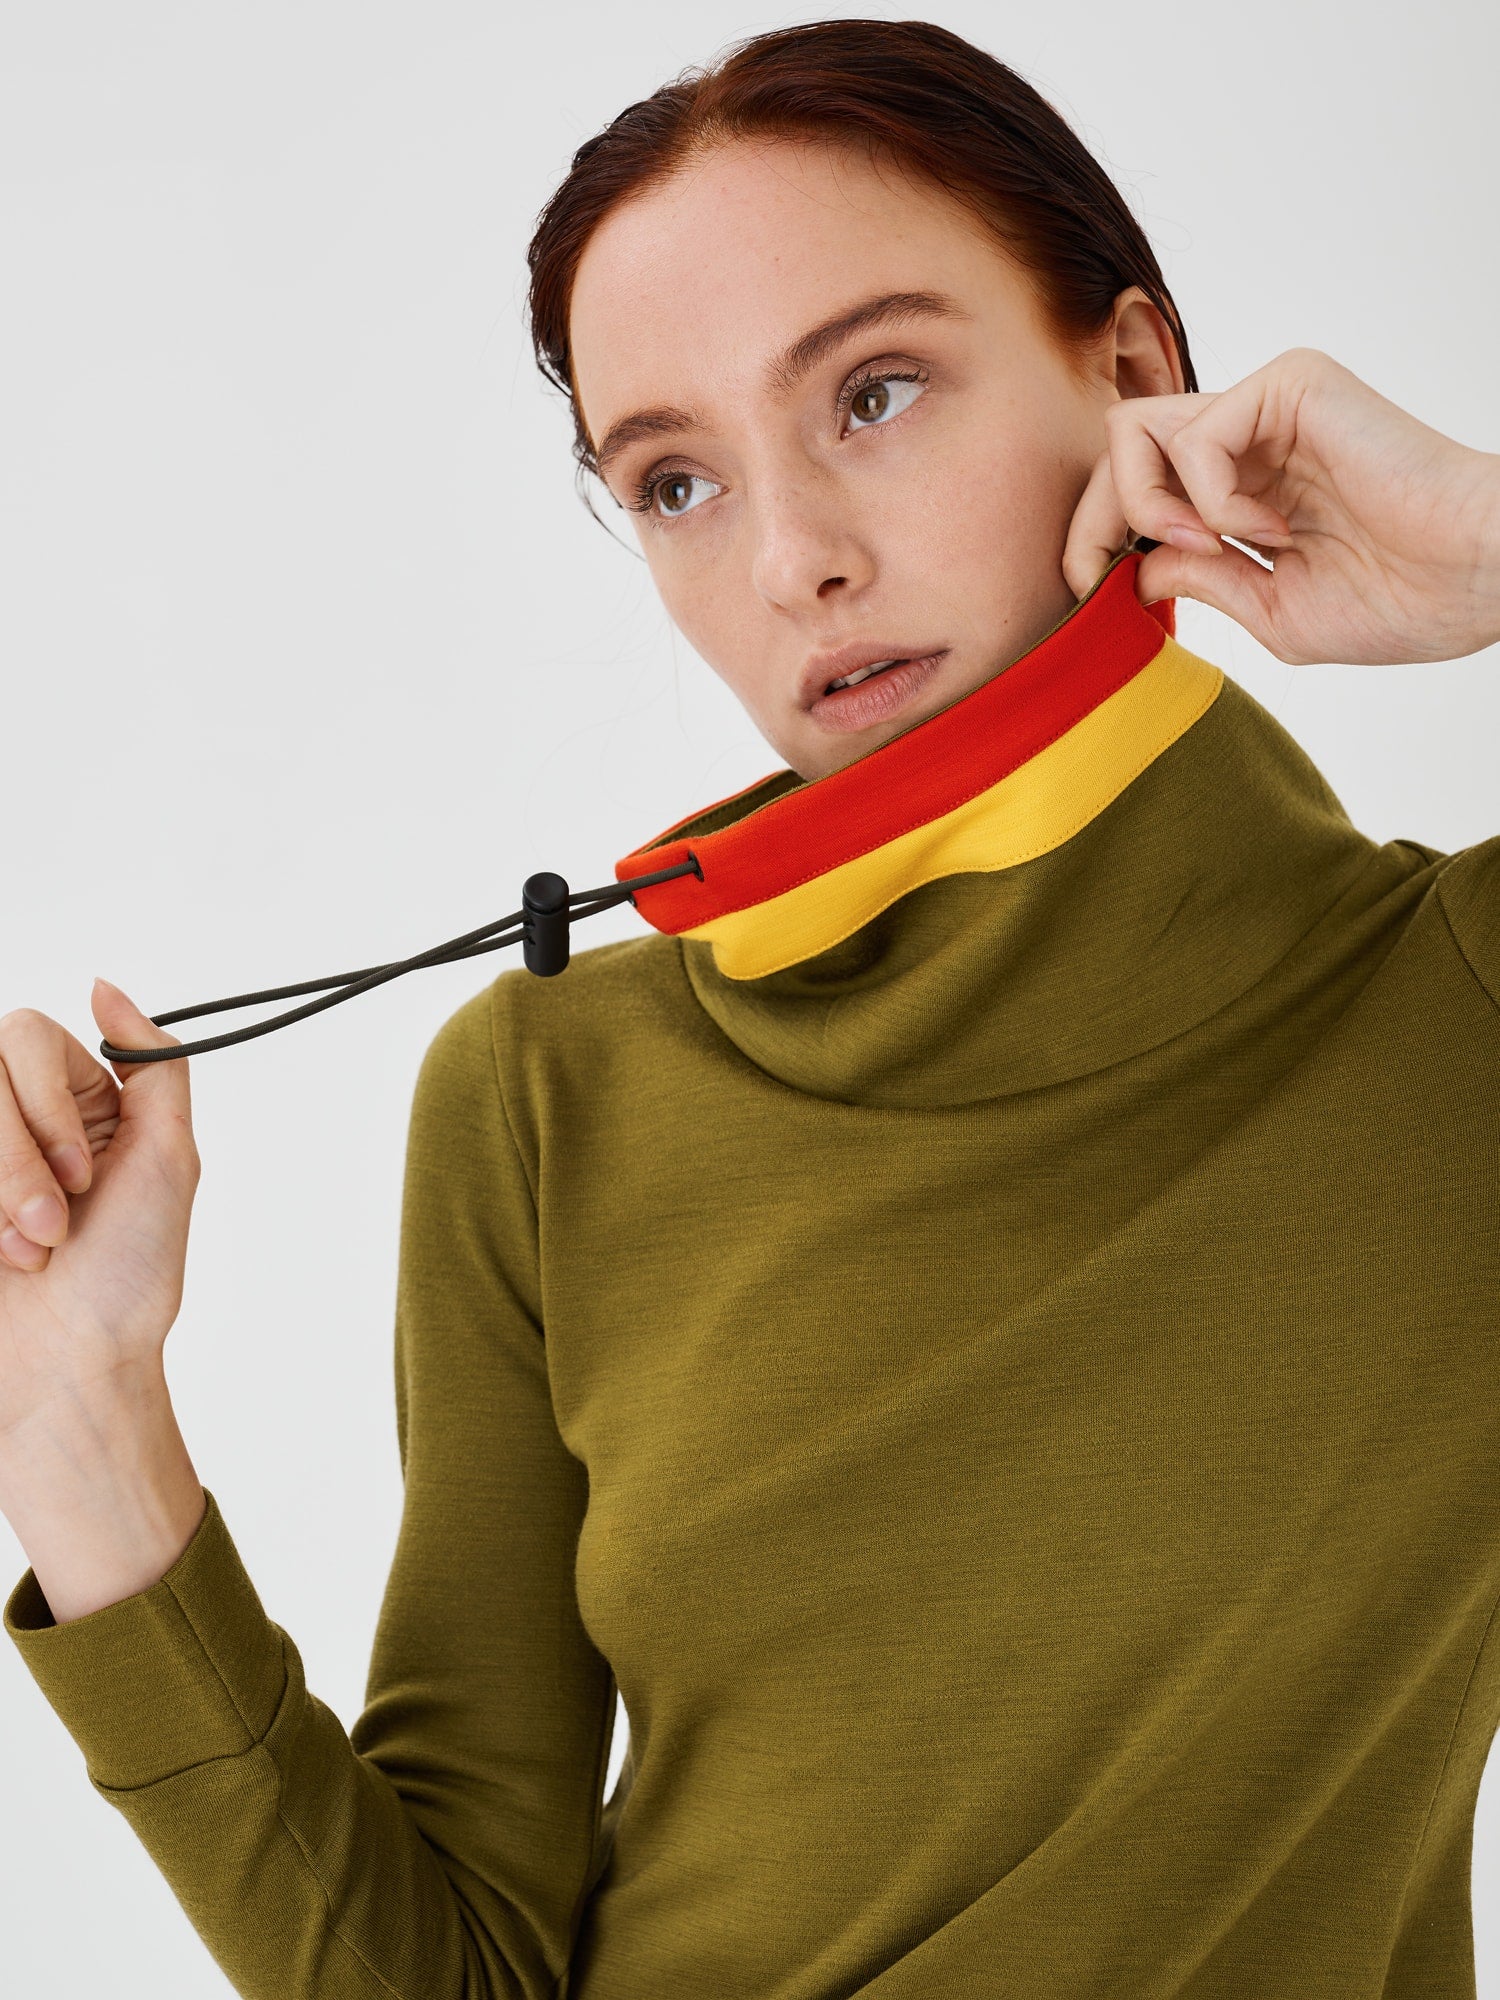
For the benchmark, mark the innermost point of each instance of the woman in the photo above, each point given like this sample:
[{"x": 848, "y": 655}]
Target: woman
[{"x": 981, "y": 1327}]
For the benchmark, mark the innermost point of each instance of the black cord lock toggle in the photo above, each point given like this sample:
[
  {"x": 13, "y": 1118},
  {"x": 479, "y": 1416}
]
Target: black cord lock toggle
[
  {"x": 540, "y": 927},
  {"x": 544, "y": 905}
]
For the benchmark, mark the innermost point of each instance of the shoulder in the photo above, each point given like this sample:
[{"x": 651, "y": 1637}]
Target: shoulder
[
  {"x": 1468, "y": 889},
  {"x": 607, "y": 993},
  {"x": 576, "y": 1043},
  {"x": 609, "y": 987}
]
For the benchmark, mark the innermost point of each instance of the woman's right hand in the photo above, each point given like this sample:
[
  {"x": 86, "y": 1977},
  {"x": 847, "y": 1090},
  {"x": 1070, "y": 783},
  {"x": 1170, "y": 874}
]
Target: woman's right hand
[{"x": 95, "y": 1286}]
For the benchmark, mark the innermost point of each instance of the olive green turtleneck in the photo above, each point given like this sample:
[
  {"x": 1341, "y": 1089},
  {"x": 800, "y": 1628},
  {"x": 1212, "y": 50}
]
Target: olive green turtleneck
[{"x": 1010, "y": 1400}]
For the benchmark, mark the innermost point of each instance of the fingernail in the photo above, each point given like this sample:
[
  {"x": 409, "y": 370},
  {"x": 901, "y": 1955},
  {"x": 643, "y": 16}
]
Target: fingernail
[
  {"x": 19, "y": 1249},
  {"x": 43, "y": 1215},
  {"x": 69, "y": 1163},
  {"x": 1194, "y": 538}
]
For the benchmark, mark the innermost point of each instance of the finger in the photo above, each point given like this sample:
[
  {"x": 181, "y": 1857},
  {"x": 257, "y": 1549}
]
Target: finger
[
  {"x": 1231, "y": 582},
  {"x": 33, "y": 1208},
  {"x": 44, "y": 1147},
  {"x": 60, "y": 1090},
  {"x": 1142, "y": 434},
  {"x": 1096, "y": 532},
  {"x": 155, "y": 1097},
  {"x": 1208, "y": 454},
  {"x": 18, "y": 1252}
]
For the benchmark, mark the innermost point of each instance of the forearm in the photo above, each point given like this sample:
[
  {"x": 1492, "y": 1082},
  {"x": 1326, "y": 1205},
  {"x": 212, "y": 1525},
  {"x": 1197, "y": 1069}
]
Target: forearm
[
  {"x": 101, "y": 1492},
  {"x": 443, "y": 1844}
]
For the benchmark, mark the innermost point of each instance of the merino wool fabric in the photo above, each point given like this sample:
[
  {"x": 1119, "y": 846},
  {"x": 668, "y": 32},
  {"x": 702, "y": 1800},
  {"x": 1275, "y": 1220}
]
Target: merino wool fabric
[{"x": 995, "y": 1358}]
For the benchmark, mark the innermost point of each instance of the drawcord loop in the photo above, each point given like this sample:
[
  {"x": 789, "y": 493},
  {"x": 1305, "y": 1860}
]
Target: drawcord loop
[{"x": 547, "y": 909}]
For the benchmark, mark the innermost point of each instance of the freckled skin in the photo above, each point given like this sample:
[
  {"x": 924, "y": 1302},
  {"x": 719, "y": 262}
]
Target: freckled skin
[{"x": 942, "y": 524}]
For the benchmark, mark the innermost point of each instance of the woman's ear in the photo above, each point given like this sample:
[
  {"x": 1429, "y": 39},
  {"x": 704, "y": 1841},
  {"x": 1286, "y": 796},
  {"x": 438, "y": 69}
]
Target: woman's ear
[{"x": 1146, "y": 361}]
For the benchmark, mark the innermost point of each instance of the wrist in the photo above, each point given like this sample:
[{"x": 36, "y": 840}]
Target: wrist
[
  {"x": 100, "y": 1491},
  {"x": 1487, "y": 581}
]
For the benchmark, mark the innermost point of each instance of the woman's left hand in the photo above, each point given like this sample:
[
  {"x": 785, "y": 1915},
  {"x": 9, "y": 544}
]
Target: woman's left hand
[{"x": 1385, "y": 534}]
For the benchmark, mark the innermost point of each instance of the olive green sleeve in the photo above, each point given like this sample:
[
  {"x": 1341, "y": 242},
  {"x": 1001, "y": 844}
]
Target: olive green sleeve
[
  {"x": 1469, "y": 891},
  {"x": 445, "y": 1844}
]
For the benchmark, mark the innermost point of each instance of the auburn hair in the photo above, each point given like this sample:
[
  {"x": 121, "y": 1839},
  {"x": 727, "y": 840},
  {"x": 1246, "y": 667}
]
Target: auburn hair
[{"x": 905, "y": 90}]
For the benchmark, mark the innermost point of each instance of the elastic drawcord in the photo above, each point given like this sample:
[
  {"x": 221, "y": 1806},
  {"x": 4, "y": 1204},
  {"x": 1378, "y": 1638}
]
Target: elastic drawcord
[{"x": 541, "y": 928}]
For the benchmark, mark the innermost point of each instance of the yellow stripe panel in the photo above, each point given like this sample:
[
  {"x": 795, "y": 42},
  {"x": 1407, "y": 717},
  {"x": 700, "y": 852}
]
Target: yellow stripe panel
[{"x": 1036, "y": 807}]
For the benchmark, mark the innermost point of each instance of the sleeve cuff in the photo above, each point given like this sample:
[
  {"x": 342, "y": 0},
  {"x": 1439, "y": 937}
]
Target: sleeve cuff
[{"x": 184, "y": 1671}]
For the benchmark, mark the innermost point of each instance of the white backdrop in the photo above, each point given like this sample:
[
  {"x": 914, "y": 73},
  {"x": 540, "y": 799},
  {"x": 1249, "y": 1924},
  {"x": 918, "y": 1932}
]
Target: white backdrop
[{"x": 310, "y": 654}]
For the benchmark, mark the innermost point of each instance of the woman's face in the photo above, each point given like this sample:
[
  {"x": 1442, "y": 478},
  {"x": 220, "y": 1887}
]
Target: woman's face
[{"x": 848, "y": 432}]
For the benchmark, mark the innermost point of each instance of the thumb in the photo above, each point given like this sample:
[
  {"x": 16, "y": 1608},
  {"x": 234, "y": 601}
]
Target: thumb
[
  {"x": 155, "y": 1097},
  {"x": 1230, "y": 581}
]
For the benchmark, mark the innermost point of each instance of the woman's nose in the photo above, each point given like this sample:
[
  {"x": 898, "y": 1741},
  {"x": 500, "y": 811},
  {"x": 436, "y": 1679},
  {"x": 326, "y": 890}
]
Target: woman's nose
[{"x": 807, "y": 545}]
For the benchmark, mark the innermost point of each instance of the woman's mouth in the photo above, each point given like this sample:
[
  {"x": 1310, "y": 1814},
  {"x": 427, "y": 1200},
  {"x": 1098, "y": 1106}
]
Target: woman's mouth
[{"x": 874, "y": 693}]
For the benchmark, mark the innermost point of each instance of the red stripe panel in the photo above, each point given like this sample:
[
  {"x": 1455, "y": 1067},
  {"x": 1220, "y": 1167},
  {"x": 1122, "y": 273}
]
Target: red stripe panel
[{"x": 915, "y": 777}]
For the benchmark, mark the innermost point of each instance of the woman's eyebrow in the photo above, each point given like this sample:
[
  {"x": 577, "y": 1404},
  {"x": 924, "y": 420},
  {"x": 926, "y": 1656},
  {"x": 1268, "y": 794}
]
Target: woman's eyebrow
[
  {"x": 662, "y": 421},
  {"x": 882, "y": 309},
  {"x": 787, "y": 368}
]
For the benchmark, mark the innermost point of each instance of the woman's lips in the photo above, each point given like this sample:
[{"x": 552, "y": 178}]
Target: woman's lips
[{"x": 877, "y": 697}]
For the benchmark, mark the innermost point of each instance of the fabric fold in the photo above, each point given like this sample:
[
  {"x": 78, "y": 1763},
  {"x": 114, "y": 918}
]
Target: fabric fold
[{"x": 185, "y": 1671}]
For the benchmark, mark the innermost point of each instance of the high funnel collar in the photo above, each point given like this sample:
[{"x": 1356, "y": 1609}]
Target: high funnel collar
[{"x": 1088, "y": 853}]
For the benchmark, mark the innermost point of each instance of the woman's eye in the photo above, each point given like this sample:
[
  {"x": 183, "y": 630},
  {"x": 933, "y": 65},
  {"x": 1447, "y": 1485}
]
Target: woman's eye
[
  {"x": 673, "y": 493},
  {"x": 885, "y": 396}
]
